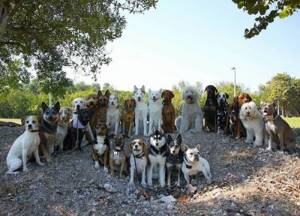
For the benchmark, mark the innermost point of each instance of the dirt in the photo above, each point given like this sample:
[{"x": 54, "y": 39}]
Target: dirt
[{"x": 246, "y": 181}]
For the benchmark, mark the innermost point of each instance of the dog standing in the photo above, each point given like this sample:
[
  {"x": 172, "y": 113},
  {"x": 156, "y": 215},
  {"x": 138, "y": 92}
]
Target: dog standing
[
  {"x": 128, "y": 117},
  {"x": 117, "y": 156},
  {"x": 210, "y": 108},
  {"x": 155, "y": 110},
  {"x": 141, "y": 110},
  {"x": 65, "y": 115},
  {"x": 280, "y": 134},
  {"x": 168, "y": 112},
  {"x": 24, "y": 146},
  {"x": 222, "y": 113},
  {"x": 113, "y": 114}
]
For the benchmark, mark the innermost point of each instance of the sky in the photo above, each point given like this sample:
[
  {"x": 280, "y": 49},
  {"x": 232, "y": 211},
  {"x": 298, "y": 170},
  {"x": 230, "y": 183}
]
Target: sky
[{"x": 196, "y": 40}]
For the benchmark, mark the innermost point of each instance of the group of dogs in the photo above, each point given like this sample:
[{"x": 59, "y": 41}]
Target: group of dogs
[{"x": 156, "y": 143}]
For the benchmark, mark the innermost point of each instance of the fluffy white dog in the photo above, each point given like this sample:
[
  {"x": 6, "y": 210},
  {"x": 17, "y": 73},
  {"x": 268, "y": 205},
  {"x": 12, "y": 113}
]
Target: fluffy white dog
[
  {"x": 155, "y": 110},
  {"x": 191, "y": 118},
  {"x": 253, "y": 123},
  {"x": 113, "y": 114},
  {"x": 24, "y": 146},
  {"x": 141, "y": 109},
  {"x": 81, "y": 102}
]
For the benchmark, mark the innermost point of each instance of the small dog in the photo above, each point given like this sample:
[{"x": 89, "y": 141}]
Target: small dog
[
  {"x": 174, "y": 157},
  {"x": 113, "y": 114},
  {"x": 100, "y": 152},
  {"x": 155, "y": 110},
  {"x": 168, "y": 112},
  {"x": 24, "y": 146},
  {"x": 48, "y": 129},
  {"x": 117, "y": 156},
  {"x": 128, "y": 117},
  {"x": 279, "y": 132},
  {"x": 253, "y": 123},
  {"x": 141, "y": 110},
  {"x": 191, "y": 114},
  {"x": 193, "y": 164},
  {"x": 210, "y": 108},
  {"x": 157, "y": 157},
  {"x": 138, "y": 161},
  {"x": 222, "y": 113},
  {"x": 65, "y": 115}
]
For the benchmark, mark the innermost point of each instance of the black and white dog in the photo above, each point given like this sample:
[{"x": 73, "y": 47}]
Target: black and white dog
[
  {"x": 157, "y": 156},
  {"x": 222, "y": 113}
]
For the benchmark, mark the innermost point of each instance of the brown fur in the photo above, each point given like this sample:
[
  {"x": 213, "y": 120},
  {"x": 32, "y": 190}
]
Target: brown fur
[
  {"x": 118, "y": 143},
  {"x": 168, "y": 112},
  {"x": 92, "y": 101},
  {"x": 128, "y": 116},
  {"x": 103, "y": 105}
]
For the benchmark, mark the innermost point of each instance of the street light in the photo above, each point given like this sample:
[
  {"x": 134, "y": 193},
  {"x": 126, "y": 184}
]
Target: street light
[{"x": 234, "y": 82}]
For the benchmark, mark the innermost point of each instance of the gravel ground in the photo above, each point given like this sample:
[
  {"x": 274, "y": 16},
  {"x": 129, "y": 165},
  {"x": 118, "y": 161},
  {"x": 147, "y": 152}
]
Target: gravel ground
[{"x": 246, "y": 181}]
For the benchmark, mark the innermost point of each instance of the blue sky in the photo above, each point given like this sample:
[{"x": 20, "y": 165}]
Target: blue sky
[{"x": 196, "y": 40}]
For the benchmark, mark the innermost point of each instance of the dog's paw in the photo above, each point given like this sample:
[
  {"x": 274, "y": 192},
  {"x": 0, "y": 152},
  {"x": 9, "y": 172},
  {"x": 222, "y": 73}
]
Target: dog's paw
[
  {"x": 41, "y": 163},
  {"x": 97, "y": 165},
  {"x": 105, "y": 170},
  {"x": 191, "y": 189},
  {"x": 131, "y": 187},
  {"x": 178, "y": 183},
  {"x": 25, "y": 169},
  {"x": 144, "y": 184}
]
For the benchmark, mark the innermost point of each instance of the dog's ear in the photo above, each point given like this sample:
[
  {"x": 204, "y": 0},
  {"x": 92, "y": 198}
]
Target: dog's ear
[
  {"x": 44, "y": 106},
  {"x": 198, "y": 147},
  {"x": 143, "y": 89},
  {"x": 249, "y": 98},
  {"x": 57, "y": 106},
  {"x": 217, "y": 95},
  {"x": 99, "y": 93},
  {"x": 134, "y": 103},
  {"x": 163, "y": 94},
  {"x": 135, "y": 88},
  {"x": 227, "y": 95},
  {"x": 275, "y": 103},
  {"x": 169, "y": 139},
  {"x": 126, "y": 104},
  {"x": 205, "y": 88},
  {"x": 107, "y": 93},
  {"x": 179, "y": 139},
  {"x": 184, "y": 147},
  {"x": 216, "y": 90},
  {"x": 160, "y": 91},
  {"x": 172, "y": 94}
]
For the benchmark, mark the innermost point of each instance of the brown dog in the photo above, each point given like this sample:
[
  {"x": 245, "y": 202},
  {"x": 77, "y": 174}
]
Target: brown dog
[
  {"x": 128, "y": 116},
  {"x": 117, "y": 155},
  {"x": 168, "y": 112},
  {"x": 103, "y": 105}
]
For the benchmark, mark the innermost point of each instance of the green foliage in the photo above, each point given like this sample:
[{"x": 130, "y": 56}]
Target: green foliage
[{"x": 266, "y": 12}]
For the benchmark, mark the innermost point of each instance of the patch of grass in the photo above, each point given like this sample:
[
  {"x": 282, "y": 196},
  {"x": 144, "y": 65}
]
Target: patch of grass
[
  {"x": 17, "y": 121},
  {"x": 294, "y": 122}
]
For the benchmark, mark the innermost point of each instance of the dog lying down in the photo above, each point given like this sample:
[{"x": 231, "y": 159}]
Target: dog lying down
[{"x": 24, "y": 146}]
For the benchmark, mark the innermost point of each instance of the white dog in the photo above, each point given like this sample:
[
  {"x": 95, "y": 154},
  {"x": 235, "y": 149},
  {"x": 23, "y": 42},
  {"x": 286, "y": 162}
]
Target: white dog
[
  {"x": 191, "y": 118},
  {"x": 253, "y": 123},
  {"x": 24, "y": 146},
  {"x": 81, "y": 102},
  {"x": 113, "y": 114},
  {"x": 155, "y": 110},
  {"x": 141, "y": 109},
  {"x": 65, "y": 115}
]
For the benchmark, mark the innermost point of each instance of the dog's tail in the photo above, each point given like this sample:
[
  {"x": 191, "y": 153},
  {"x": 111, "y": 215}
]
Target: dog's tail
[{"x": 178, "y": 122}]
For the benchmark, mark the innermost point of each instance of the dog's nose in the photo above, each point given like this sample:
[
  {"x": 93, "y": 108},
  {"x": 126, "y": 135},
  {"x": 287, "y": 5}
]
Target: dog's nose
[
  {"x": 196, "y": 157},
  {"x": 29, "y": 126},
  {"x": 139, "y": 98},
  {"x": 112, "y": 103}
]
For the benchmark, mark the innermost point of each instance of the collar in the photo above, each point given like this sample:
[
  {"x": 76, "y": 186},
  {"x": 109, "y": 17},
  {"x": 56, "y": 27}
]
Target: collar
[
  {"x": 140, "y": 155},
  {"x": 34, "y": 131},
  {"x": 188, "y": 166},
  {"x": 175, "y": 158},
  {"x": 48, "y": 128}
]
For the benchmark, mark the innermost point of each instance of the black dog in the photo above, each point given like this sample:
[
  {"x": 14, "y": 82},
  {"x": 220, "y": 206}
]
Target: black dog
[
  {"x": 223, "y": 113},
  {"x": 210, "y": 108}
]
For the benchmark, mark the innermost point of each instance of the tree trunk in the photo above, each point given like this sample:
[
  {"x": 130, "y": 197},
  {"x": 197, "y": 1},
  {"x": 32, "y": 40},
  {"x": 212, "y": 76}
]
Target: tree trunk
[{"x": 3, "y": 18}]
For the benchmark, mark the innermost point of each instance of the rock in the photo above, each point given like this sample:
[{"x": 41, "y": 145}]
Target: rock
[
  {"x": 168, "y": 199},
  {"x": 109, "y": 188}
]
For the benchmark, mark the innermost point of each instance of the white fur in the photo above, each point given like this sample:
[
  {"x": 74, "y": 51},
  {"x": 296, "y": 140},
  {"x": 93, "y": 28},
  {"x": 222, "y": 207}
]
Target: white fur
[
  {"x": 155, "y": 111},
  {"x": 141, "y": 110},
  {"x": 191, "y": 118},
  {"x": 81, "y": 102},
  {"x": 23, "y": 147},
  {"x": 113, "y": 114},
  {"x": 100, "y": 147},
  {"x": 253, "y": 123},
  {"x": 62, "y": 127}
]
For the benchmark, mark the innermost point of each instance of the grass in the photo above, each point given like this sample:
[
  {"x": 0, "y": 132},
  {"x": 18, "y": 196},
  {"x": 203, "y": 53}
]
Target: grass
[
  {"x": 294, "y": 122},
  {"x": 18, "y": 121}
]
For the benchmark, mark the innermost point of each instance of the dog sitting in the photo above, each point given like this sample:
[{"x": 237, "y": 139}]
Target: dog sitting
[
  {"x": 78, "y": 102},
  {"x": 141, "y": 110},
  {"x": 128, "y": 117},
  {"x": 174, "y": 157},
  {"x": 210, "y": 108},
  {"x": 113, "y": 115},
  {"x": 100, "y": 152},
  {"x": 65, "y": 115},
  {"x": 138, "y": 161},
  {"x": 155, "y": 110},
  {"x": 103, "y": 105},
  {"x": 157, "y": 157},
  {"x": 222, "y": 113},
  {"x": 193, "y": 164},
  {"x": 253, "y": 123},
  {"x": 92, "y": 103},
  {"x": 191, "y": 114},
  {"x": 48, "y": 129},
  {"x": 168, "y": 112},
  {"x": 117, "y": 156},
  {"x": 280, "y": 134},
  {"x": 24, "y": 146}
]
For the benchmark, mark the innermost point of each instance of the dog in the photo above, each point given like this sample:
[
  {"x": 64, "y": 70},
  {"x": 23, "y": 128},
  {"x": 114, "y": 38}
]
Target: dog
[
  {"x": 103, "y": 105},
  {"x": 92, "y": 103},
  {"x": 193, "y": 164},
  {"x": 210, "y": 108},
  {"x": 113, "y": 114},
  {"x": 141, "y": 110},
  {"x": 79, "y": 102},
  {"x": 24, "y": 146},
  {"x": 138, "y": 161},
  {"x": 100, "y": 152},
  {"x": 48, "y": 129},
  {"x": 174, "y": 157},
  {"x": 191, "y": 114},
  {"x": 280, "y": 134},
  {"x": 117, "y": 155},
  {"x": 222, "y": 113},
  {"x": 155, "y": 110},
  {"x": 253, "y": 123},
  {"x": 157, "y": 157},
  {"x": 65, "y": 115},
  {"x": 168, "y": 112},
  {"x": 128, "y": 117}
]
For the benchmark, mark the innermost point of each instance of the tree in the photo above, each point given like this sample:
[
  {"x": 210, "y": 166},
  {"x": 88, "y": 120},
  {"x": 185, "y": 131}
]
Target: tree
[
  {"x": 267, "y": 11},
  {"x": 49, "y": 34}
]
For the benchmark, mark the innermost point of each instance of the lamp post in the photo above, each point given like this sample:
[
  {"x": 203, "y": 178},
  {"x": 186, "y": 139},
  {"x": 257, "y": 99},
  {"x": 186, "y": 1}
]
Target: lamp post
[{"x": 234, "y": 81}]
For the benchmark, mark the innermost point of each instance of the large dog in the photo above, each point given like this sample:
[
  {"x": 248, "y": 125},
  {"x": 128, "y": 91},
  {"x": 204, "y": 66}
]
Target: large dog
[
  {"x": 222, "y": 113},
  {"x": 65, "y": 115},
  {"x": 155, "y": 110},
  {"x": 113, "y": 115},
  {"x": 168, "y": 112},
  {"x": 128, "y": 117},
  {"x": 141, "y": 110},
  {"x": 210, "y": 108},
  {"x": 191, "y": 114}
]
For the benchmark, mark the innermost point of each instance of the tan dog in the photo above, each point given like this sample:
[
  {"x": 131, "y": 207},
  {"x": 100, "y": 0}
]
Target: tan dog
[
  {"x": 65, "y": 115},
  {"x": 128, "y": 117},
  {"x": 117, "y": 156},
  {"x": 168, "y": 112}
]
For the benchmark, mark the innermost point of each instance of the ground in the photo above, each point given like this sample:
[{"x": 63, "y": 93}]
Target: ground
[{"x": 246, "y": 181}]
